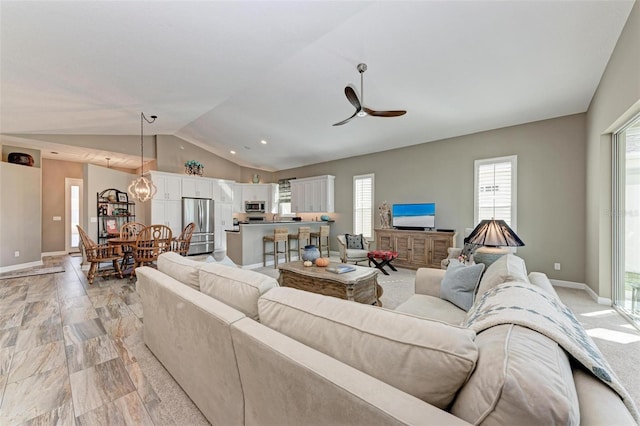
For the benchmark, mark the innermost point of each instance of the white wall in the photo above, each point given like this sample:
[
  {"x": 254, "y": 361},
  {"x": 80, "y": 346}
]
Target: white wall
[{"x": 616, "y": 99}]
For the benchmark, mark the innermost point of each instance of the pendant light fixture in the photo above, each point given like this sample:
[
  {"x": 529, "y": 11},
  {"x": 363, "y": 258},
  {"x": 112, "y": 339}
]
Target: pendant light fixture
[{"x": 142, "y": 188}]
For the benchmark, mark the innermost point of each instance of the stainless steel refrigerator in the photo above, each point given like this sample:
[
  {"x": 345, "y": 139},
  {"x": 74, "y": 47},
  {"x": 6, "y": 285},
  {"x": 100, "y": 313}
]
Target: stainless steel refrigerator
[{"x": 199, "y": 211}]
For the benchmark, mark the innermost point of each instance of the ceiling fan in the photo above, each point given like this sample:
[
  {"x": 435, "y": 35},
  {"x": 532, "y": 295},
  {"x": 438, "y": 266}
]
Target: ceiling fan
[{"x": 361, "y": 110}]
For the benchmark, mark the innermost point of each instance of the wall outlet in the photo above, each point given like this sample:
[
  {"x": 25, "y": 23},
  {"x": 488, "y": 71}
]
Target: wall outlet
[
  {"x": 16, "y": 253},
  {"x": 93, "y": 219},
  {"x": 556, "y": 266}
]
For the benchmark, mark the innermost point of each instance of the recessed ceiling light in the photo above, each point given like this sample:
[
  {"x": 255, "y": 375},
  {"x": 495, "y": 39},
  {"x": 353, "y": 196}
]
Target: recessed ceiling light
[
  {"x": 233, "y": 152},
  {"x": 263, "y": 142}
]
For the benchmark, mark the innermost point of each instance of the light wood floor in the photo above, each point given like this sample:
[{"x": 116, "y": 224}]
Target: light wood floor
[
  {"x": 71, "y": 353},
  {"x": 66, "y": 354}
]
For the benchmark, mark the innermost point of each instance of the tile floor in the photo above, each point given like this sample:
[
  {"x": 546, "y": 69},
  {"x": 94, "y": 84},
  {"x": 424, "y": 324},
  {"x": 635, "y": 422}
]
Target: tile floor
[{"x": 67, "y": 354}]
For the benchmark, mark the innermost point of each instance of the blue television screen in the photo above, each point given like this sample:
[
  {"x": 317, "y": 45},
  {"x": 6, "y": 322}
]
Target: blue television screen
[{"x": 414, "y": 215}]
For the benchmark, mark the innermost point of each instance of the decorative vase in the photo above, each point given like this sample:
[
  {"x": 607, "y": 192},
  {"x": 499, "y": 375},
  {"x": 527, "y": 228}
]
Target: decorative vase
[
  {"x": 256, "y": 179},
  {"x": 194, "y": 170},
  {"x": 310, "y": 253}
]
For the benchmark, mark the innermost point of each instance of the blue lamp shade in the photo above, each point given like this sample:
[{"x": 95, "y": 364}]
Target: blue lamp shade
[{"x": 494, "y": 233}]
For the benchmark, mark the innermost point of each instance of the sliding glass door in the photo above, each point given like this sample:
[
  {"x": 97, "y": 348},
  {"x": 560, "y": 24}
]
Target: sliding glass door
[{"x": 626, "y": 220}]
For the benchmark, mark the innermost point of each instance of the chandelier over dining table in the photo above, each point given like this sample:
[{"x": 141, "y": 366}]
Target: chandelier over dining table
[{"x": 142, "y": 188}]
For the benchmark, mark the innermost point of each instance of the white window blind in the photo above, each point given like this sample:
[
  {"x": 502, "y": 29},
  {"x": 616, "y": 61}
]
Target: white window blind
[
  {"x": 495, "y": 189},
  {"x": 363, "y": 205},
  {"x": 284, "y": 197}
]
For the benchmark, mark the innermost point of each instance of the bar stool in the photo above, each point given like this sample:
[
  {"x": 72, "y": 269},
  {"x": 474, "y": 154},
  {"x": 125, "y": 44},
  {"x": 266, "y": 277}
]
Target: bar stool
[
  {"x": 303, "y": 236},
  {"x": 322, "y": 238},
  {"x": 280, "y": 235}
]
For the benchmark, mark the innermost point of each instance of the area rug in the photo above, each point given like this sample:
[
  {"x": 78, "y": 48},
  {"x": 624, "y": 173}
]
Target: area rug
[{"x": 20, "y": 273}]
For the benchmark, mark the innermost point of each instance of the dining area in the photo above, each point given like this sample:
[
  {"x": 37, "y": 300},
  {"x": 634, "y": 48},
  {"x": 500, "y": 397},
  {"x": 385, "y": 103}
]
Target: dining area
[{"x": 135, "y": 245}]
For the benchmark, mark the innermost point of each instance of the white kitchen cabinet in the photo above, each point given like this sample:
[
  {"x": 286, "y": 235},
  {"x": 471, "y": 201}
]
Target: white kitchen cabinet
[
  {"x": 238, "y": 203},
  {"x": 196, "y": 187},
  {"x": 226, "y": 191},
  {"x": 313, "y": 195},
  {"x": 167, "y": 212},
  {"x": 274, "y": 198},
  {"x": 255, "y": 192},
  {"x": 267, "y": 192},
  {"x": 223, "y": 220},
  {"x": 169, "y": 186}
]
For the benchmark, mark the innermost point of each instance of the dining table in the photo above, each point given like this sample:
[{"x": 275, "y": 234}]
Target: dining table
[{"x": 127, "y": 251}]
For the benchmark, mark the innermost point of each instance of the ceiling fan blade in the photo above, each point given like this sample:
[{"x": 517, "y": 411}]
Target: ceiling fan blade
[
  {"x": 353, "y": 97},
  {"x": 347, "y": 120},
  {"x": 374, "y": 113}
]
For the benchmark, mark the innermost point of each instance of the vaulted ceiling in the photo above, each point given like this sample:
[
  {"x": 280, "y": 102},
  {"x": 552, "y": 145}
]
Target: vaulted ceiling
[{"x": 227, "y": 75}]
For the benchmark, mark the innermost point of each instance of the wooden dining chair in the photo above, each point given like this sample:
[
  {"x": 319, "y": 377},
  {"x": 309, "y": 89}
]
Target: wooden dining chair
[
  {"x": 151, "y": 242},
  {"x": 129, "y": 231},
  {"x": 181, "y": 244},
  {"x": 100, "y": 253}
]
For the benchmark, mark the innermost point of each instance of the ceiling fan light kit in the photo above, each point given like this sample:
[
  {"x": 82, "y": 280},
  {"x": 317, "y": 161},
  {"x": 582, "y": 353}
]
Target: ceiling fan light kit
[{"x": 361, "y": 110}]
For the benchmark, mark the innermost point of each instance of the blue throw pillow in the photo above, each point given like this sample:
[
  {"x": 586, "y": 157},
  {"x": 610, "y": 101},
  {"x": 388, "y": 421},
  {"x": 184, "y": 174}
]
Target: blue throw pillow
[
  {"x": 460, "y": 282},
  {"x": 354, "y": 241}
]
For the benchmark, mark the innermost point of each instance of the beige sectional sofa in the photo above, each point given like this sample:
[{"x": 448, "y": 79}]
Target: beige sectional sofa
[{"x": 249, "y": 352}]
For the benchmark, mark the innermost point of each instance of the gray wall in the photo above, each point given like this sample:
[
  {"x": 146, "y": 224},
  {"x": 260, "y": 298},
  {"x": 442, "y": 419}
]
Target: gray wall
[
  {"x": 616, "y": 100},
  {"x": 54, "y": 173},
  {"x": 551, "y": 186},
  {"x": 20, "y": 214}
]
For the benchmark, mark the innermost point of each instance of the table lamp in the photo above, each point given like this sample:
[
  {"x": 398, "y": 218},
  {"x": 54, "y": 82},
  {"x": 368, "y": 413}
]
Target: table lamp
[{"x": 492, "y": 235}]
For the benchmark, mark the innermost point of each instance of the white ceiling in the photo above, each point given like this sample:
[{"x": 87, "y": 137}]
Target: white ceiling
[{"x": 225, "y": 75}]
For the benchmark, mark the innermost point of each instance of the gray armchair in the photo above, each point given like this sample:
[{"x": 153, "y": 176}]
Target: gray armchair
[{"x": 353, "y": 255}]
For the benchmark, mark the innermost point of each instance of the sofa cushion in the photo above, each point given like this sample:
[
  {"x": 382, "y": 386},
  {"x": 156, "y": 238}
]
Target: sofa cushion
[
  {"x": 460, "y": 282},
  {"x": 506, "y": 269},
  {"x": 522, "y": 377},
  {"x": 238, "y": 288},
  {"x": 426, "y": 306},
  {"x": 540, "y": 279},
  {"x": 180, "y": 268},
  {"x": 427, "y": 359}
]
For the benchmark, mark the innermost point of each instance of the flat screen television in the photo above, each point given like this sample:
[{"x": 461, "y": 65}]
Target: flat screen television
[{"x": 413, "y": 216}]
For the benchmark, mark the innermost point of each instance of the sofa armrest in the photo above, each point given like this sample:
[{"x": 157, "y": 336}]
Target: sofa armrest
[{"x": 428, "y": 281}]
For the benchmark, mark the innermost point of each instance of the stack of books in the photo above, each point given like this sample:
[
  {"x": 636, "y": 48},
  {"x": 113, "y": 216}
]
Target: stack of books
[{"x": 341, "y": 269}]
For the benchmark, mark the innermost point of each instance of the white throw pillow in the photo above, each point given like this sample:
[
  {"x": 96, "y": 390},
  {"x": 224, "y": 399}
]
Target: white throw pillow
[
  {"x": 460, "y": 282},
  {"x": 506, "y": 269}
]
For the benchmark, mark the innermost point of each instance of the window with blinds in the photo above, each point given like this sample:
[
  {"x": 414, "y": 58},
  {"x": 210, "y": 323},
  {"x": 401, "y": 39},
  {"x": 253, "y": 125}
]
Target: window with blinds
[
  {"x": 284, "y": 196},
  {"x": 495, "y": 189},
  {"x": 363, "y": 205}
]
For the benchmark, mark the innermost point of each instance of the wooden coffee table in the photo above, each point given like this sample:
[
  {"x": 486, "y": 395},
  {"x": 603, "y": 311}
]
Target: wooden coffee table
[{"x": 360, "y": 285}]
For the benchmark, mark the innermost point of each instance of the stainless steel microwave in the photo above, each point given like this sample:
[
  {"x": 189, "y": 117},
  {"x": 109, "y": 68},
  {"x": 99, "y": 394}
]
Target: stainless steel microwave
[{"x": 254, "y": 206}]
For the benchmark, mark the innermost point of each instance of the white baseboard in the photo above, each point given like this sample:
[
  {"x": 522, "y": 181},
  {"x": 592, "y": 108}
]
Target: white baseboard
[
  {"x": 53, "y": 253},
  {"x": 20, "y": 266},
  {"x": 582, "y": 286}
]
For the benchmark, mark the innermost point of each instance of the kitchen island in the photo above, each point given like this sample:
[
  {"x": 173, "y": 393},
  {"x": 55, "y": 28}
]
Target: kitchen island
[{"x": 244, "y": 246}]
